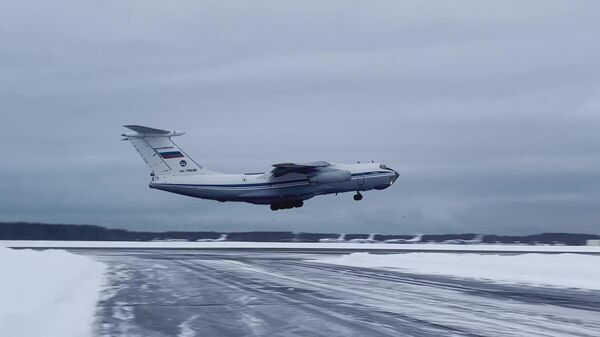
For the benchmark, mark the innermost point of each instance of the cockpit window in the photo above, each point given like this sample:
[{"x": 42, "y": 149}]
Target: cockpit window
[{"x": 383, "y": 167}]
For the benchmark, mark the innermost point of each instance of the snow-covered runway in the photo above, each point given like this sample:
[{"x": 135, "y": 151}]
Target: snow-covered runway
[{"x": 255, "y": 293}]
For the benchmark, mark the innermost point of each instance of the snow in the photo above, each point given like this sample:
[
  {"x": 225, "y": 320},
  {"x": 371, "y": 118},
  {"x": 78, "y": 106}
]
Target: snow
[
  {"x": 555, "y": 270},
  {"x": 186, "y": 329},
  {"x": 301, "y": 245},
  {"x": 49, "y": 293}
]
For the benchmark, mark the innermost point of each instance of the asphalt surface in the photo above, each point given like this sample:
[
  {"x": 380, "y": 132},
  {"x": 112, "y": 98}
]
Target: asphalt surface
[{"x": 251, "y": 293}]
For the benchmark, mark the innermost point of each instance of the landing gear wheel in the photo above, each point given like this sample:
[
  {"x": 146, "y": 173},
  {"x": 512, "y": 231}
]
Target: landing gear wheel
[
  {"x": 358, "y": 196},
  {"x": 287, "y": 204}
]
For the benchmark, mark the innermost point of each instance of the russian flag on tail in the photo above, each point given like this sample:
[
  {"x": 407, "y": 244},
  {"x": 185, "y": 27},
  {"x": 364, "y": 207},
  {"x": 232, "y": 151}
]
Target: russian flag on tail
[{"x": 171, "y": 154}]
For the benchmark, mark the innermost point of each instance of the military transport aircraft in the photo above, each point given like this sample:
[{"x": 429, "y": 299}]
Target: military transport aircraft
[
  {"x": 369, "y": 239},
  {"x": 476, "y": 240},
  {"x": 286, "y": 186},
  {"x": 416, "y": 239},
  {"x": 341, "y": 238}
]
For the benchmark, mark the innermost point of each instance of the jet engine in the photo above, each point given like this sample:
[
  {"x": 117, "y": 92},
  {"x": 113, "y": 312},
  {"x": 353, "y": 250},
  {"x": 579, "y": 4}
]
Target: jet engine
[{"x": 335, "y": 176}]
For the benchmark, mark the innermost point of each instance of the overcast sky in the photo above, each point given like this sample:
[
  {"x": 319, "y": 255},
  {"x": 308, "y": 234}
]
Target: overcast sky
[{"x": 490, "y": 111}]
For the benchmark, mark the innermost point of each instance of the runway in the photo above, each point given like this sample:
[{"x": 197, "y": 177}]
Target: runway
[{"x": 252, "y": 293}]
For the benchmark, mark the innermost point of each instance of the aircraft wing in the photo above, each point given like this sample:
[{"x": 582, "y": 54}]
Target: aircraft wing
[{"x": 303, "y": 168}]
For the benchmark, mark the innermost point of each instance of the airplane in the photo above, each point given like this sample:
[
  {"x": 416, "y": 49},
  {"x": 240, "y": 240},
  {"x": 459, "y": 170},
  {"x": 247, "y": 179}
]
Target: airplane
[
  {"x": 415, "y": 239},
  {"x": 297, "y": 237},
  {"x": 370, "y": 239},
  {"x": 477, "y": 239},
  {"x": 221, "y": 238},
  {"x": 169, "y": 240},
  {"x": 341, "y": 238},
  {"x": 286, "y": 186}
]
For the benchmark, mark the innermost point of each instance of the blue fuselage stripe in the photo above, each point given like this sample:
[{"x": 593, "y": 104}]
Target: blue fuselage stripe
[{"x": 296, "y": 182}]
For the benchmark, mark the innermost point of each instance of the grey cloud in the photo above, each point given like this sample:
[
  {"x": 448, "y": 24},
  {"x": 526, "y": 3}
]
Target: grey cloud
[{"x": 488, "y": 110}]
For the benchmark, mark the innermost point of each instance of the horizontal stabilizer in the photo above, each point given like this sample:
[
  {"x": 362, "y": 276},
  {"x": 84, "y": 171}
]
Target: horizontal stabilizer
[{"x": 145, "y": 129}]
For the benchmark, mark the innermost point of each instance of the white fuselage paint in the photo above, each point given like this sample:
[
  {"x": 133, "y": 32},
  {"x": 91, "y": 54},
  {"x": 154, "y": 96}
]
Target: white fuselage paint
[{"x": 264, "y": 188}]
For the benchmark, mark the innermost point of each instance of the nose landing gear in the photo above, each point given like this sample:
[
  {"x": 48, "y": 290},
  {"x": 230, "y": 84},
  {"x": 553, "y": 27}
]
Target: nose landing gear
[{"x": 358, "y": 196}]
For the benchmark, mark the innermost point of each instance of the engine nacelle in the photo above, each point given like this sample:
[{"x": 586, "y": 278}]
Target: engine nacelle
[{"x": 336, "y": 176}]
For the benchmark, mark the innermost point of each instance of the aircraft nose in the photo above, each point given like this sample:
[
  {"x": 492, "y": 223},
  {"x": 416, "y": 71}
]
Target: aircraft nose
[{"x": 396, "y": 175}]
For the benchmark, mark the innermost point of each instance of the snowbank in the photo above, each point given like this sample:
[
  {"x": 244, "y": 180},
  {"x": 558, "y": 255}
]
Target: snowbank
[
  {"x": 559, "y": 270},
  {"x": 48, "y": 293},
  {"x": 300, "y": 245}
]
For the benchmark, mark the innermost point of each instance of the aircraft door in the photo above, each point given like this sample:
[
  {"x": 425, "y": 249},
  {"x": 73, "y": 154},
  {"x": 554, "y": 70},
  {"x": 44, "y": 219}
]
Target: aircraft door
[{"x": 360, "y": 182}]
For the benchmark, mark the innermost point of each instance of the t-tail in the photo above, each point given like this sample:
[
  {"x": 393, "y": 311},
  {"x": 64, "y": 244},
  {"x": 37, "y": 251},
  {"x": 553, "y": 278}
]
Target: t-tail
[{"x": 160, "y": 153}]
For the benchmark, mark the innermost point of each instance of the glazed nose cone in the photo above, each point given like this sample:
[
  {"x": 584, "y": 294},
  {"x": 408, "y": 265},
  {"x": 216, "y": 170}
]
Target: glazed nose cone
[{"x": 396, "y": 175}]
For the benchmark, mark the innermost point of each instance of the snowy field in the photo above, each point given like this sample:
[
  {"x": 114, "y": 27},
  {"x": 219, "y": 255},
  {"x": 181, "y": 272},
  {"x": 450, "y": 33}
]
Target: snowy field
[
  {"x": 300, "y": 245},
  {"x": 48, "y": 293},
  {"x": 558, "y": 270}
]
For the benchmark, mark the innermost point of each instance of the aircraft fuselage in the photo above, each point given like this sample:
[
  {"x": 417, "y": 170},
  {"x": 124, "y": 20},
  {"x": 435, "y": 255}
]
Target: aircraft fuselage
[{"x": 266, "y": 189}]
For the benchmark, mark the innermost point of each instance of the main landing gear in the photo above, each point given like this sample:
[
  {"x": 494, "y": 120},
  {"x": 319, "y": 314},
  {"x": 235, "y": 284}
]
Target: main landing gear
[
  {"x": 287, "y": 205},
  {"x": 358, "y": 196}
]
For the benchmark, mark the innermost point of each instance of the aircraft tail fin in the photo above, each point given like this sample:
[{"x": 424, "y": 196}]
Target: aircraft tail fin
[{"x": 160, "y": 153}]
